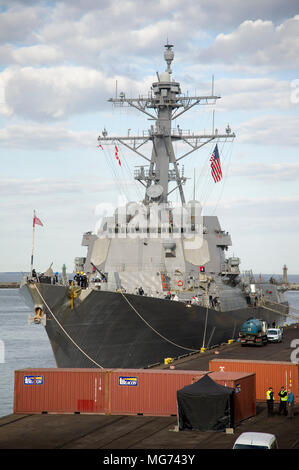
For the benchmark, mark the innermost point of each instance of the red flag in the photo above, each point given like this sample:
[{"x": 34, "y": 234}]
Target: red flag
[
  {"x": 37, "y": 221},
  {"x": 117, "y": 157}
]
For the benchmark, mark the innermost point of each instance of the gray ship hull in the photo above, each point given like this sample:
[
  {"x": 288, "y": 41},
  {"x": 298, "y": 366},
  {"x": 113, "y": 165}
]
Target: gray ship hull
[{"x": 110, "y": 331}]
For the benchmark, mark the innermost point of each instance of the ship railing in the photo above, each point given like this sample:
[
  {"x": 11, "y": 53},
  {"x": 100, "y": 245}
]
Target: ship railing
[
  {"x": 143, "y": 172},
  {"x": 174, "y": 132},
  {"x": 226, "y": 269}
]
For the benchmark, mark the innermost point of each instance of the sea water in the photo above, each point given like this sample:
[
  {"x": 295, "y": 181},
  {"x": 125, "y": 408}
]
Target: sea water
[
  {"x": 27, "y": 346},
  {"x": 22, "y": 346}
]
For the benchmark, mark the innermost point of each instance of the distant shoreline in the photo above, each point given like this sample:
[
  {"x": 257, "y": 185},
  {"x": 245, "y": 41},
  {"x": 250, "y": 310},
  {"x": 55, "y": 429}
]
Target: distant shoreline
[{"x": 9, "y": 285}]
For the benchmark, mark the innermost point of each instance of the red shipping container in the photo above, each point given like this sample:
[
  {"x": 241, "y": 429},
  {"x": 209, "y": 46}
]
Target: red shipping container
[
  {"x": 147, "y": 391},
  {"x": 151, "y": 391},
  {"x": 268, "y": 374},
  {"x": 59, "y": 391},
  {"x": 244, "y": 397},
  {"x": 118, "y": 391}
]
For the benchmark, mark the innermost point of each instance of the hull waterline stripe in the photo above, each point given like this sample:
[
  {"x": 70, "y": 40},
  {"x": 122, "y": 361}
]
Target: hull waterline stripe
[{"x": 65, "y": 332}]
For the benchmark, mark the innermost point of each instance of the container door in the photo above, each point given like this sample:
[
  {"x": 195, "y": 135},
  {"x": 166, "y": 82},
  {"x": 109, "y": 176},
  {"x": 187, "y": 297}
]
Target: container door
[
  {"x": 91, "y": 398},
  {"x": 99, "y": 392}
]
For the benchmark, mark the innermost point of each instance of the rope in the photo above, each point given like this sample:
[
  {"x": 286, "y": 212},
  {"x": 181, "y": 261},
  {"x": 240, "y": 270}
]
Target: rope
[
  {"x": 65, "y": 332},
  {"x": 226, "y": 171},
  {"x": 205, "y": 173},
  {"x": 210, "y": 184},
  {"x": 128, "y": 170},
  {"x": 155, "y": 331},
  {"x": 119, "y": 183}
]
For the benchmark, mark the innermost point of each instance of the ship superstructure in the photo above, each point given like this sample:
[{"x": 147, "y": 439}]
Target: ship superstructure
[
  {"x": 160, "y": 284},
  {"x": 153, "y": 243}
]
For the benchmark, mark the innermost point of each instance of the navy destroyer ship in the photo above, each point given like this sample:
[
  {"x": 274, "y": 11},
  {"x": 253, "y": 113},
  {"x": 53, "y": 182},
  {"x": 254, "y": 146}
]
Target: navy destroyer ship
[{"x": 159, "y": 284}]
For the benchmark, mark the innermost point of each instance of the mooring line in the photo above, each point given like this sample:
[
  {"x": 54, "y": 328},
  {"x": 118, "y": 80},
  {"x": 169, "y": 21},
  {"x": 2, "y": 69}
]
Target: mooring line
[
  {"x": 66, "y": 333},
  {"x": 157, "y": 332}
]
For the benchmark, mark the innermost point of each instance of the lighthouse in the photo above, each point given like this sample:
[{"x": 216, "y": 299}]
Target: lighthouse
[{"x": 285, "y": 275}]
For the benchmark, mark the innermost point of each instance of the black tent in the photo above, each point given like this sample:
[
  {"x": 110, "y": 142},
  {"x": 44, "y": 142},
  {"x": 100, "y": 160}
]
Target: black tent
[{"x": 205, "y": 406}]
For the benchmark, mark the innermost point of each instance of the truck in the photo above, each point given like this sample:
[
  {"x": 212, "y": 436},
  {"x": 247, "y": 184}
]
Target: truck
[{"x": 254, "y": 331}]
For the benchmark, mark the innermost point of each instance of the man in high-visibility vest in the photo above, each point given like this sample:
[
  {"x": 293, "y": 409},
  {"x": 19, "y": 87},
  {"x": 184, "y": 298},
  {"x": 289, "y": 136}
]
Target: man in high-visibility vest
[
  {"x": 283, "y": 395},
  {"x": 270, "y": 401}
]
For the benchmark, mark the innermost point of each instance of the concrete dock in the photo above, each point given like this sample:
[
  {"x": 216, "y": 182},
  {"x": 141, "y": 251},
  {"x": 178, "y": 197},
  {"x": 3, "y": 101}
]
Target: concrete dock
[
  {"x": 74, "y": 431},
  {"x": 133, "y": 432},
  {"x": 271, "y": 352}
]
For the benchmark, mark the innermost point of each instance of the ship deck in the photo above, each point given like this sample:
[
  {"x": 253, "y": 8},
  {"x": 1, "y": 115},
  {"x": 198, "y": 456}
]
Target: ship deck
[{"x": 145, "y": 432}]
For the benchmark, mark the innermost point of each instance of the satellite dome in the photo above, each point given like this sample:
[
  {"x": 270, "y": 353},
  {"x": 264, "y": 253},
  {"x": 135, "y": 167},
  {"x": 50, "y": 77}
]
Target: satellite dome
[{"x": 164, "y": 77}]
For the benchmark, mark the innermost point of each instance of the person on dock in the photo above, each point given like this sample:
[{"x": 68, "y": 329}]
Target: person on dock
[
  {"x": 84, "y": 281},
  {"x": 290, "y": 404},
  {"x": 270, "y": 401},
  {"x": 77, "y": 278},
  {"x": 140, "y": 291},
  {"x": 283, "y": 395}
]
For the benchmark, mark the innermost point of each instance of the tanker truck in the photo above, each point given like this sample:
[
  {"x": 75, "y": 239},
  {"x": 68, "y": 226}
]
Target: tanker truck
[{"x": 254, "y": 331}]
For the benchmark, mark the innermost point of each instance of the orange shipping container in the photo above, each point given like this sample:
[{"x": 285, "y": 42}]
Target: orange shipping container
[
  {"x": 245, "y": 396},
  {"x": 59, "y": 391},
  {"x": 123, "y": 391},
  {"x": 150, "y": 392},
  {"x": 147, "y": 391},
  {"x": 268, "y": 374}
]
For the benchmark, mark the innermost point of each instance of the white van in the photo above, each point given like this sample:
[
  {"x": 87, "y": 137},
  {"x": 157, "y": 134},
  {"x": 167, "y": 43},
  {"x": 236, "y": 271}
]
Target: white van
[
  {"x": 256, "y": 440},
  {"x": 274, "y": 335}
]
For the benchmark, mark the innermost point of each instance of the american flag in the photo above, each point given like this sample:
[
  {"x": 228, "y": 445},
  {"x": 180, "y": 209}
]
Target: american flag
[{"x": 216, "y": 171}]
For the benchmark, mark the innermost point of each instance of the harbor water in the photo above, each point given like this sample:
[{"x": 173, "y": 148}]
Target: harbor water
[{"x": 26, "y": 346}]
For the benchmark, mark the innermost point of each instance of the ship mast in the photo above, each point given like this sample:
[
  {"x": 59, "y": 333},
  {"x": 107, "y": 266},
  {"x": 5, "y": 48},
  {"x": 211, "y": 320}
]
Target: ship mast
[{"x": 164, "y": 104}]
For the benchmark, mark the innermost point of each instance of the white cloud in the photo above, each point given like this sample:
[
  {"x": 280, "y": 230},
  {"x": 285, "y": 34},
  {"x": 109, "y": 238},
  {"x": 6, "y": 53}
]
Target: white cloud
[
  {"x": 259, "y": 43},
  {"x": 19, "y": 24},
  {"x": 54, "y": 93},
  {"x": 255, "y": 202},
  {"x": 62, "y": 60},
  {"x": 260, "y": 216},
  {"x": 276, "y": 129},
  {"x": 37, "y": 186},
  {"x": 93, "y": 33},
  {"x": 277, "y": 172},
  {"x": 37, "y": 55},
  {"x": 51, "y": 186},
  {"x": 254, "y": 94},
  {"x": 29, "y": 136},
  {"x": 203, "y": 12}
]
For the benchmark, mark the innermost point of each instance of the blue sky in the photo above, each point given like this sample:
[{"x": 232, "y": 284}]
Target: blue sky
[{"x": 59, "y": 62}]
